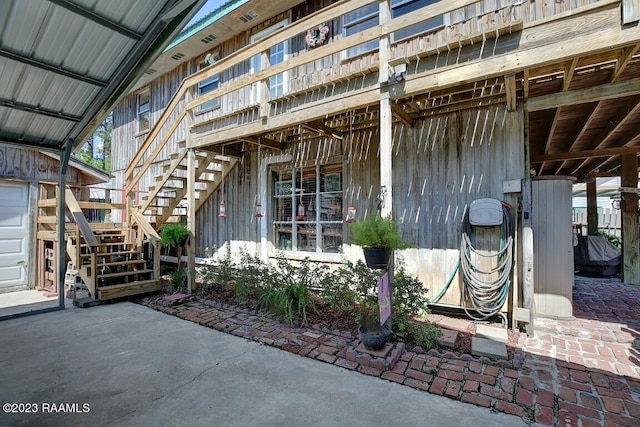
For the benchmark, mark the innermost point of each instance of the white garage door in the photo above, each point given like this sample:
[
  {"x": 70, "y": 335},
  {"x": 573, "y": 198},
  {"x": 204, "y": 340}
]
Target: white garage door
[{"x": 14, "y": 233}]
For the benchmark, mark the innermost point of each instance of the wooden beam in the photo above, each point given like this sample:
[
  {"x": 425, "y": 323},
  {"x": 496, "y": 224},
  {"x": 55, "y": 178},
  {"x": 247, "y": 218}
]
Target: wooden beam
[
  {"x": 568, "y": 73},
  {"x": 317, "y": 126},
  {"x": 581, "y": 96},
  {"x": 605, "y": 152},
  {"x": 263, "y": 141},
  {"x": 552, "y": 131},
  {"x": 510, "y": 89},
  {"x": 583, "y": 130},
  {"x": 629, "y": 209},
  {"x": 623, "y": 61},
  {"x": 399, "y": 112},
  {"x": 592, "y": 207}
]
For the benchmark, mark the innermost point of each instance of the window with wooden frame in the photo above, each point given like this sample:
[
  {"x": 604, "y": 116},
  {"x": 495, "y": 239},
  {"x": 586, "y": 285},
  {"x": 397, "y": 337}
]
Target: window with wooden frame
[
  {"x": 307, "y": 206},
  {"x": 144, "y": 103},
  {"x": 206, "y": 86},
  {"x": 367, "y": 17}
]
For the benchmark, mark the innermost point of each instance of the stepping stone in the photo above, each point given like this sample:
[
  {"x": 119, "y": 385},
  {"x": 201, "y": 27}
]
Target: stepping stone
[
  {"x": 492, "y": 333},
  {"x": 453, "y": 323},
  {"x": 448, "y": 338},
  {"x": 488, "y": 348},
  {"x": 175, "y": 297}
]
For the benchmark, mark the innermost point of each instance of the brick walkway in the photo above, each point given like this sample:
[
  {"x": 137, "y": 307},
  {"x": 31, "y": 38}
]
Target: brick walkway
[{"x": 580, "y": 372}]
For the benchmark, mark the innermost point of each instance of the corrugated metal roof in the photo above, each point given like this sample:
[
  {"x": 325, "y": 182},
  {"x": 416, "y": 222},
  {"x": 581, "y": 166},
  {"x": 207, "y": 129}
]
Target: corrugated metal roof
[{"x": 64, "y": 64}]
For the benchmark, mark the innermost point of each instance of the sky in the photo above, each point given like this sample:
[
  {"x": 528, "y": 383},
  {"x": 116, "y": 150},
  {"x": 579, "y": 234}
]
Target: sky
[{"x": 208, "y": 7}]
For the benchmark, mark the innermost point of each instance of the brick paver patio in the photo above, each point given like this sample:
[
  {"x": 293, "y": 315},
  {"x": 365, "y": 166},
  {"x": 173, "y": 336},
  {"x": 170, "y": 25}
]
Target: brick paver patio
[{"x": 579, "y": 372}]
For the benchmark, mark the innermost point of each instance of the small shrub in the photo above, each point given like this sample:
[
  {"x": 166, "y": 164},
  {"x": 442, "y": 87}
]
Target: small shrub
[
  {"x": 287, "y": 291},
  {"x": 177, "y": 277},
  {"x": 423, "y": 334}
]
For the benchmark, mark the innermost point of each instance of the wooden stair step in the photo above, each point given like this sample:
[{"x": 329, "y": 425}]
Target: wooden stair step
[
  {"x": 123, "y": 273},
  {"x": 119, "y": 263},
  {"x": 128, "y": 289},
  {"x": 84, "y": 245},
  {"x": 116, "y": 253}
]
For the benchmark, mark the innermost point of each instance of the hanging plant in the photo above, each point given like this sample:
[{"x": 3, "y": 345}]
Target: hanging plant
[{"x": 316, "y": 36}]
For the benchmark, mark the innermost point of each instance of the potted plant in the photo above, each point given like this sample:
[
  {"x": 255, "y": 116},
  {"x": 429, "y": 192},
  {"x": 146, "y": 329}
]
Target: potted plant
[
  {"x": 372, "y": 334},
  {"x": 174, "y": 234},
  {"x": 379, "y": 237}
]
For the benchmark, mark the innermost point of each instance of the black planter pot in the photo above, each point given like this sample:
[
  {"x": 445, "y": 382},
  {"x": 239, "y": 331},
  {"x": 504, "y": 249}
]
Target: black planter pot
[
  {"x": 377, "y": 257},
  {"x": 374, "y": 337}
]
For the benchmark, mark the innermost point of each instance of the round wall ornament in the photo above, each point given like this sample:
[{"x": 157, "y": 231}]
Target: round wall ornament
[{"x": 316, "y": 36}]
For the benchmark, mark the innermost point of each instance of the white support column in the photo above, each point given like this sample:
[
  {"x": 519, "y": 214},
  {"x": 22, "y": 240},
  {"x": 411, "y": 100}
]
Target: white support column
[{"x": 527, "y": 233}]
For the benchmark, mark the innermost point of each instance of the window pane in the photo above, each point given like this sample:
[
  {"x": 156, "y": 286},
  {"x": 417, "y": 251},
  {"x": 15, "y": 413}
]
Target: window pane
[
  {"x": 402, "y": 7},
  {"x": 143, "y": 121},
  {"x": 208, "y": 85},
  {"x": 356, "y": 28},
  {"x": 307, "y": 205},
  {"x": 143, "y": 110}
]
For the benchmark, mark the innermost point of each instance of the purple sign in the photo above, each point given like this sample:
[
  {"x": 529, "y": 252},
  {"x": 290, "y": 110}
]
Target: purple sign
[{"x": 384, "y": 298}]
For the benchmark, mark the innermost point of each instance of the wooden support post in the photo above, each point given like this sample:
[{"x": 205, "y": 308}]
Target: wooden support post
[
  {"x": 264, "y": 86},
  {"x": 191, "y": 219},
  {"x": 386, "y": 118},
  {"x": 592, "y": 208},
  {"x": 93, "y": 283},
  {"x": 156, "y": 260},
  {"x": 629, "y": 210}
]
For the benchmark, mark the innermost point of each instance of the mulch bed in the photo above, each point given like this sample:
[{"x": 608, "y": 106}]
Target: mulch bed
[{"x": 334, "y": 318}]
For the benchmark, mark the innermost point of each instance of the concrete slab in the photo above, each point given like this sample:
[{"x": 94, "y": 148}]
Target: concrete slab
[
  {"x": 448, "y": 338},
  {"x": 25, "y": 301},
  {"x": 135, "y": 366},
  {"x": 492, "y": 333},
  {"x": 489, "y": 348}
]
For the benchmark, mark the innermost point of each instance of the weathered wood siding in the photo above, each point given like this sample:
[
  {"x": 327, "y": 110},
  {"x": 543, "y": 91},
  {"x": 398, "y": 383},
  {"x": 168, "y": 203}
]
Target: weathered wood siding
[
  {"x": 442, "y": 165},
  {"x": 32, "y": 166}
]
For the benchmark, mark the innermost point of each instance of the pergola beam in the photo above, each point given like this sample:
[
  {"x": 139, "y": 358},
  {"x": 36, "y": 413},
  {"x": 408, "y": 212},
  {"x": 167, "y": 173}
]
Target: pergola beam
[
  {"x": 605, "y": 152},
  {"x": 581, "y": 96}
]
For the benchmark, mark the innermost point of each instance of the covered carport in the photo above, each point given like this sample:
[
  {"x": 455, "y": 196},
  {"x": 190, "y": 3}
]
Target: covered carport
[{"x": 65, "y": 64}]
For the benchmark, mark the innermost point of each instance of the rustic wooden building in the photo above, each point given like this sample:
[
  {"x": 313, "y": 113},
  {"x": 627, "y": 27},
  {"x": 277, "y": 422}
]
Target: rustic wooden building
[
  {"x": 267, "y": 123},
  {"x": 24, "y": 262}
]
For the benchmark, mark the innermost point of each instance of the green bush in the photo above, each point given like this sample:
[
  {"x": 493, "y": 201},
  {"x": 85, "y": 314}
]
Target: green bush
[
  {"x": 423, "y": 334},
  {"x": 376, "y": 231}
]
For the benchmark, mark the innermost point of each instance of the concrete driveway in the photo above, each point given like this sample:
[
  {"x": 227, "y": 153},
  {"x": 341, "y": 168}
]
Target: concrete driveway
[{"x": 126, "y": 365}]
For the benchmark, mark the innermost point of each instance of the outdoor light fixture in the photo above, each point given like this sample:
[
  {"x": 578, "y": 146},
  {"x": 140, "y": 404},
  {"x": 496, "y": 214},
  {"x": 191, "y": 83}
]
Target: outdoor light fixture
[
  {"x": 398, "y": 73},
  {"x": 351, "y": 214}
]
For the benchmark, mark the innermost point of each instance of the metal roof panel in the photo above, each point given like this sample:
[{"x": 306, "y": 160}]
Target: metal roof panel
[{"x": 61, "y": 59}]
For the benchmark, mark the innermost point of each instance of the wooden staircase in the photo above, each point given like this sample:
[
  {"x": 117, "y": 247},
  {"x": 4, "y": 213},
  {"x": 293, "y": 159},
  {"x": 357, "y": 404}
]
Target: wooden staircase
[
  {"x": 170, "y": 189},
  {"x": 114, "y": 268},
  {"x": 112, "y": 260}
]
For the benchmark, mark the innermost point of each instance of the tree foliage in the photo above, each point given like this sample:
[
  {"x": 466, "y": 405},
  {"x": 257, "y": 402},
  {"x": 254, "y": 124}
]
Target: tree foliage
[{"x": 97, "y": 149}]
